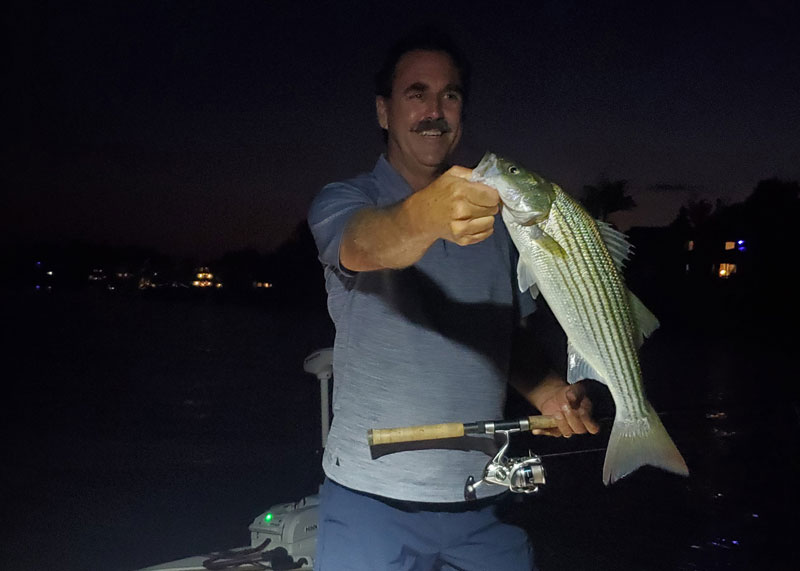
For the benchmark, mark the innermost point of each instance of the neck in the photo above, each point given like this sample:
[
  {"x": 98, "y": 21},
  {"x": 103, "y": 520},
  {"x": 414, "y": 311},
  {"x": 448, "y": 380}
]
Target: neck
[{"x": 417, "y": 178}]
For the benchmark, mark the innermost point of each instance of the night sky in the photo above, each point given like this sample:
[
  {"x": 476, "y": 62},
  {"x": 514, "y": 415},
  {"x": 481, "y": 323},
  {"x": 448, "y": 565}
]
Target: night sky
[{"x": 199, "y": 127}]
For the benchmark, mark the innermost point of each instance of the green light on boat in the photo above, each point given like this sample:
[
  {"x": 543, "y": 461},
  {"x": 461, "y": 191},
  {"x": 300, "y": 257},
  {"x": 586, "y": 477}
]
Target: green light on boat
[{"x": 268, "y": 517}]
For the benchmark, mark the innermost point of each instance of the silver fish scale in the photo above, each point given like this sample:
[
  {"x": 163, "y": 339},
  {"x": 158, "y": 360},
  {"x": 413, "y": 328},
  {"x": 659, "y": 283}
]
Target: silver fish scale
[{"x": 588, "y": 296}]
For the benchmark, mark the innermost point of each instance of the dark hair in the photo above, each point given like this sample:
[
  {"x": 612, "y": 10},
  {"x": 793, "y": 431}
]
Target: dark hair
[{"x": 430, "y": 38}]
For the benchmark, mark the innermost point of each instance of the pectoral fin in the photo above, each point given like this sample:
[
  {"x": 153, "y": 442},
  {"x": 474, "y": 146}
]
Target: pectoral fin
[
  {"x": 547, "y": 243},
  {"x": 526, "y": 279}
]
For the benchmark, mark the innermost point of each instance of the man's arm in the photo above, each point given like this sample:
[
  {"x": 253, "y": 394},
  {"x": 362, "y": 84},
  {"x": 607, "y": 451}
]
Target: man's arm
[
  {"x": 533, "y": 378},
  {"x": 451, "y": 207}
]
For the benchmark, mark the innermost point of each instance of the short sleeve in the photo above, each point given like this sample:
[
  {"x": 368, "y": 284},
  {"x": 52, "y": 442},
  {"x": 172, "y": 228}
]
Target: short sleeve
[{"x": 328, "y": 216}]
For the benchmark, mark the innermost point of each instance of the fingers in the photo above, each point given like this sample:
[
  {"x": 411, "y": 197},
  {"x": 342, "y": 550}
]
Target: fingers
[
  {"x": 472, "y": 202},
  {"x": 581, "y": 409},
  {"x": 460, "y": 172},
  {"x": 592, "y": 427},
  {"x": 475, "y": 192},
  {"x": 474, "y": 198},
  {"x": 465, "y": 209},
  {"x": 567, "y": 421},
  {"x": 571, "y": 421},
  {"x": 483, "y": 195},
  {"x": 567, "y": 424},
  {"x": 471, "y": 231},
  {"x": 554, "y": 432},
  {"x": 573, "y": 415}
]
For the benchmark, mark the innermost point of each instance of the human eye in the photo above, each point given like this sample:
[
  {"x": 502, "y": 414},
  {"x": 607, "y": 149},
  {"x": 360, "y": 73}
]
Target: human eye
[{"x": 414, "y": 91}]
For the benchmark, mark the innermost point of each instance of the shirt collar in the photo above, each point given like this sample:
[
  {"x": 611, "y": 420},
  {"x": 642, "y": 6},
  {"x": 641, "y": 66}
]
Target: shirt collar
[{"x": 391, "y": 183}]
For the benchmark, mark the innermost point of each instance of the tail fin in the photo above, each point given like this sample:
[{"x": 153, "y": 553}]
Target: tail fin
[{"x": 634, "y": 443}]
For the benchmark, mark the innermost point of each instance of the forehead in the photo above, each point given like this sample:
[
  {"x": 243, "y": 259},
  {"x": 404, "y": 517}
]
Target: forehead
[{"x": 432, "y": 68}]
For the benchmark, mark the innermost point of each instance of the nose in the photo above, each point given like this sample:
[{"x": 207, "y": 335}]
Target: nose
[{"x": 434, "y": 108}]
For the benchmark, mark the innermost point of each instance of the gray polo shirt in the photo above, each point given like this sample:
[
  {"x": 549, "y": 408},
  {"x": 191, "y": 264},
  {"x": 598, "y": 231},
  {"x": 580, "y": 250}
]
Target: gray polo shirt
[{"x": 423, "y": 345}]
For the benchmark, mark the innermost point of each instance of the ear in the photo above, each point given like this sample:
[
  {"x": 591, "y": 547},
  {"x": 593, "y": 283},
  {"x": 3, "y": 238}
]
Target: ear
[{"x": 381, "y": 106}]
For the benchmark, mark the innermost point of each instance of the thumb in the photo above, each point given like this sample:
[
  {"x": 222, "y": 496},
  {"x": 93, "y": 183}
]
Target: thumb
[
  {"x": 575, "y": 395},
  {"x": 460, "y": 172}
]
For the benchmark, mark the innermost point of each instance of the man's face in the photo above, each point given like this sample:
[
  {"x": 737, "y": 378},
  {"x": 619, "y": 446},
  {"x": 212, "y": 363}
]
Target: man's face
[{"x": 423, "y": 115}]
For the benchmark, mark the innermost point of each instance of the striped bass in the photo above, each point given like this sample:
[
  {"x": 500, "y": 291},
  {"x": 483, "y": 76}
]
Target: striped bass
[{"x": 575, "y": 262}]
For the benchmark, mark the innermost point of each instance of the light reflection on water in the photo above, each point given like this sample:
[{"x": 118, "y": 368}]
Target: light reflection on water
[{"x": 744, "y": 483}]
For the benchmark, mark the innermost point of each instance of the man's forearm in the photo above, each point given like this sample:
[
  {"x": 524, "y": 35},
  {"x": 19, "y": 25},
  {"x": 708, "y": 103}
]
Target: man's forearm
[
  {"x": 380, "y": 238},
  {"x": 451, "y": 207}
]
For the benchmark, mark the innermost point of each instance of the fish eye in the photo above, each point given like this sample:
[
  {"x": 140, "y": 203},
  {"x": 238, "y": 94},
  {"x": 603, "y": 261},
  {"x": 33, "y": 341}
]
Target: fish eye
[{"x": 513, "y": 170}]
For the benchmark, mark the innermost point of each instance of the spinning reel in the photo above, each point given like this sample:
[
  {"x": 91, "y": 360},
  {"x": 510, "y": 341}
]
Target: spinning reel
[{"x": 521, "y": 475}]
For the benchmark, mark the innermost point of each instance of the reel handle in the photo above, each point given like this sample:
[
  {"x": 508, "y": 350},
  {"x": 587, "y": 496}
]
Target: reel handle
[{"x": 377, "y": 436}]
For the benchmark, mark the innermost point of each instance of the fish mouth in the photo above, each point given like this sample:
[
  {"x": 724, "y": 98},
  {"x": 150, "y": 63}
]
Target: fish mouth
[
  {"x": 486, "y": 167},
  {"x": 486, "y": 170}
]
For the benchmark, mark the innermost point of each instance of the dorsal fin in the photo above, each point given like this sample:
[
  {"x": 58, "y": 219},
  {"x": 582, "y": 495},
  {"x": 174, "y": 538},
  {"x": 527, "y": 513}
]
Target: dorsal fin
[{"x": 616, "y": 242}]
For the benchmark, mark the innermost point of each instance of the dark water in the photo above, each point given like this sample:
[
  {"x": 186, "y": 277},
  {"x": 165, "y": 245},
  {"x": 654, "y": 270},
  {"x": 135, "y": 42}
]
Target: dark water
[{"x": 139, "y": 431}]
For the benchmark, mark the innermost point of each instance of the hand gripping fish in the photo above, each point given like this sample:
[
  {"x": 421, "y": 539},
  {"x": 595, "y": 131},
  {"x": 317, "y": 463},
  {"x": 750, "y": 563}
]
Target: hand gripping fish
[{"x": 575, "y": 262}]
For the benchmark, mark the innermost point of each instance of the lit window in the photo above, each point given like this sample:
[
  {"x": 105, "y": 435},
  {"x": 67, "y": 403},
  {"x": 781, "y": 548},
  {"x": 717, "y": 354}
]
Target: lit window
[
  {"x": 730, "y": 245},
  {"x": 690, "y": 245},
  {"x": 727, "y": 270}
]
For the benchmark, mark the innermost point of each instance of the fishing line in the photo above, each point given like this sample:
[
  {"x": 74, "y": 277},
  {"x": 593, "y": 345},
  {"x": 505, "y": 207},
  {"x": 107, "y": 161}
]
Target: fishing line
[{"x": 571, "y": 453}]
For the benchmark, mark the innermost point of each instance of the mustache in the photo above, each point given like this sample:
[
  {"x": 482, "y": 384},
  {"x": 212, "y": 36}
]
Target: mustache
[{"x": 439, "y": 124}]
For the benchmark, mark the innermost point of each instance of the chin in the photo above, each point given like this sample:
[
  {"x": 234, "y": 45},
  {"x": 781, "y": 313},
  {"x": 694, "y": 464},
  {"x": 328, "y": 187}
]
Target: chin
[
  {"x": 437, "y": 164},
  {"x": 434, "y": 159}
]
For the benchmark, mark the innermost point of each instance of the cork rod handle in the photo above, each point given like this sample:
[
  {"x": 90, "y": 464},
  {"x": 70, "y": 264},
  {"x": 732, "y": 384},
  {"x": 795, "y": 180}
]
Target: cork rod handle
[
  {"x": 377, "y": 436},
  {"x": 414, "y": 433}
]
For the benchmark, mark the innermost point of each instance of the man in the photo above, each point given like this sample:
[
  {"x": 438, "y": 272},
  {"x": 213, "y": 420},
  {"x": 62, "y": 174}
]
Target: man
[{"x": 421, "y": 280}]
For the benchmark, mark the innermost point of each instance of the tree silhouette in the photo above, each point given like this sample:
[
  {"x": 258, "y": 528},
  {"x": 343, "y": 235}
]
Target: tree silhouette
[
  {"x": 763, "y": 222},
  {"x": 697, "y": 213},
  {"x": 774, "y": 196},
  {"x": 607, "y": 196}
]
